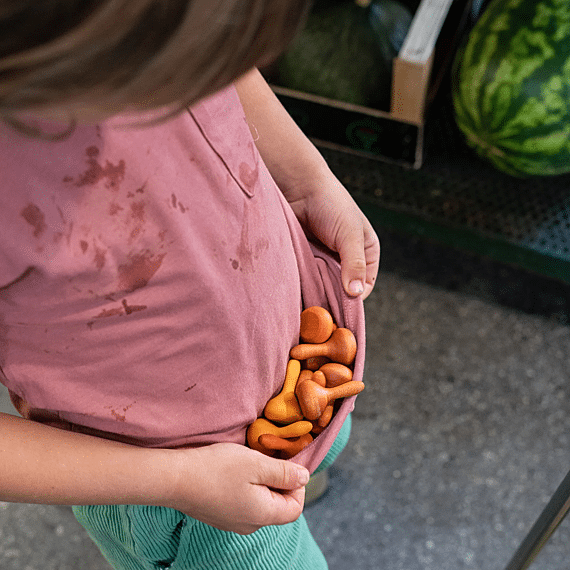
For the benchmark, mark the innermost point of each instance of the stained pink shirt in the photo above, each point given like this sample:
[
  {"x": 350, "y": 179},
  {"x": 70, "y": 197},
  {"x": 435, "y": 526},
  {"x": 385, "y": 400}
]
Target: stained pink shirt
[{"x": 153, "y": 278}]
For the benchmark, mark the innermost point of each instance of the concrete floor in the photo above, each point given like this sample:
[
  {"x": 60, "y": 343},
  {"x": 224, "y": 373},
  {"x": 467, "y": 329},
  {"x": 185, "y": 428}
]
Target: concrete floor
[{"x": 459, "y": 440}]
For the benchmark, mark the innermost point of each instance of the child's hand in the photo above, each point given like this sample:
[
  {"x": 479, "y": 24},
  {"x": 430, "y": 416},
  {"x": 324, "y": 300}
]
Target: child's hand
[
  {"x": 234, "y": 488},
  {"x": 334, "y": 218}
]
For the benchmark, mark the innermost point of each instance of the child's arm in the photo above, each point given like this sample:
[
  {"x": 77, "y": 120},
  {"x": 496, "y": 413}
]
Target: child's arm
[
  {"x": 225, "y": 485},
  {"x": 320, "y": 202}
]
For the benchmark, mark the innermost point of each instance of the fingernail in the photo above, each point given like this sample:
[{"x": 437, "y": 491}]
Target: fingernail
[
  {"x": 303, "y": 476},
  {"x": 355, "y": 287}
]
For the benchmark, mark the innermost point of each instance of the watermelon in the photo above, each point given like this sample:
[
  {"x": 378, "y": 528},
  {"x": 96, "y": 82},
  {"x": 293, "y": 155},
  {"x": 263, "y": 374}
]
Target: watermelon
[
  {"x": 337, "y": 56},
  {"x": 511, "y": 89}
]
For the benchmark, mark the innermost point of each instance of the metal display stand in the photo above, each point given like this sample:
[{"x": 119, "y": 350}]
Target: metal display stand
[{"x": 552, "y": 515}]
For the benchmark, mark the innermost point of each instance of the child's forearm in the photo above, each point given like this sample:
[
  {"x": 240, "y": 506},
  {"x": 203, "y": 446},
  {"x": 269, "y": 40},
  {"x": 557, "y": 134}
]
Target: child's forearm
[
  {"x": 41, "y": 464},
  {"x": 225, "y": 485}
]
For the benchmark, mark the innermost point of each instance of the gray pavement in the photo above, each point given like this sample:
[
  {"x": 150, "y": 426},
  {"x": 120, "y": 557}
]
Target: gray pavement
[{"x": 459, "y": 440}]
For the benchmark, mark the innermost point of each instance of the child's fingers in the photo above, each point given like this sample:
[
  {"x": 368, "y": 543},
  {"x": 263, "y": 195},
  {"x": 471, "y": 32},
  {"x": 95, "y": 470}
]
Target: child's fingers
[
  {"x": 372, "y": 252},
  {"x": 284, "y": 496},
  {"x": 287, "y": 506},
  {"x": 353, "y": 263},
  {"x": 359, "y": 251},
  {"x": 281, "y": 475}
]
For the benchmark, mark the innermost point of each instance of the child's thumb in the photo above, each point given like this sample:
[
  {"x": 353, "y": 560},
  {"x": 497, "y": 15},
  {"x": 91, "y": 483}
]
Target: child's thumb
[
  {"x": 353, "y": 264},
  {"x": 285, "y": 475}
]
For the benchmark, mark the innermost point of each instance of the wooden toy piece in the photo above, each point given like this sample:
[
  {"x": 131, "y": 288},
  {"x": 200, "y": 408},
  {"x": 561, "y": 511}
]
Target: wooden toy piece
[
  {"x": 336, "y": 374},
  {"x": 316, "y": 325},
  {"x": 315, "y": 362},
  {"x": 317, "y": 429},
  {"x": 305, "y": 375},
  {"x": 262, "y": 426},
  {"x": 316, "y": 376},
  {"x": 341, "y": 347},
  {"x": 326, "y": 417},
  {"x": 320, "y": 424},
  {"x": 284, "y": 407},
  {"x": 320, "y": 378},
  {"x": 287, "y": 447},
  {"x": 313, "y": 398}
]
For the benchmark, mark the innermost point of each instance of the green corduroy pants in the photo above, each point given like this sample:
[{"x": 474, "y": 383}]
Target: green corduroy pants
[{"x": 134, "y": 537}]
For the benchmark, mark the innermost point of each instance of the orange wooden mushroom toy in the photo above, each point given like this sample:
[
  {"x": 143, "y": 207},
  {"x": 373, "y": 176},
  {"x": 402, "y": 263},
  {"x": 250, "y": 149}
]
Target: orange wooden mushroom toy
[
  {"x": 315, "y": 362},
  {"x": 316, "y": 325},
  {"x": 324, "y": 419},
  {"x": 287, "y": 447},
  {"x": 262, "y": 426},
  {"x": 313, "y": 398},
  {"x": 341, "y": 347},
  {"x": 336, "y": 374},
  {"x": 284, "y": 407},
  {"x": 316, "y": 376}
]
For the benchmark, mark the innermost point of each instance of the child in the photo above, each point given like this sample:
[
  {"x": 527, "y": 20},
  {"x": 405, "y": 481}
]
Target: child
[{"x": 152, "y": 273}]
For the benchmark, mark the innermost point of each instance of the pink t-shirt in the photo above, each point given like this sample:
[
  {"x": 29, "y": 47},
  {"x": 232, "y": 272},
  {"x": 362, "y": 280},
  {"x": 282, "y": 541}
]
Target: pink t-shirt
[{"x": 152, "y": 280}]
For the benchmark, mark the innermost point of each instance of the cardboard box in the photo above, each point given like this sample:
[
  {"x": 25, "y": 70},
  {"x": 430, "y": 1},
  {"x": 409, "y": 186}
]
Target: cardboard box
[{"x": 396, "y": 135}]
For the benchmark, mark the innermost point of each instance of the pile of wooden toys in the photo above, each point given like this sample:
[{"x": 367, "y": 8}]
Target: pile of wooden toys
[{"x": 318, "y": 374}]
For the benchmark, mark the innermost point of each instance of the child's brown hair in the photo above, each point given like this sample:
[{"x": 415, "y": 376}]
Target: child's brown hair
[{"x": 131, "y": 55}]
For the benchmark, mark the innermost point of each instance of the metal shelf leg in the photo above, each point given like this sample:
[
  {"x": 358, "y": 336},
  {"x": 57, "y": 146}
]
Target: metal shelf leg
[{"x": 552, "y": 515}]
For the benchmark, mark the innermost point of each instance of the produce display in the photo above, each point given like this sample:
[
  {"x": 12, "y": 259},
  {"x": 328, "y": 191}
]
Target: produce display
[
  {"x": 318, "y": 374},
  {"x": 511, "y": 91},
  {"x": 345, "y": 51}
]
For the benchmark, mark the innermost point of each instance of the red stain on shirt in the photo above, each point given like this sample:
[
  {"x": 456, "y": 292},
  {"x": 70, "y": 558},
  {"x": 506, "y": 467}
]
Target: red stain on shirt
[
  {"x": 248, "y": 175},
  {"x": 132, "y": 308},
  {"x": 35, "y": 217},
  {"x": 116, "y": 412},
  {"x": 99, "y": 258},
  {"x": 139, "y": 270},
  {"x": 113, "y": 174},
  {"x": 248, "y": 252},
  {"x": 134, "y": 233},
  {"x": 124, "y": 309},
  {"x": 114, "y": 208},
  {"x": 115, "y": 311},
  {"x": 137, "y": 211}
]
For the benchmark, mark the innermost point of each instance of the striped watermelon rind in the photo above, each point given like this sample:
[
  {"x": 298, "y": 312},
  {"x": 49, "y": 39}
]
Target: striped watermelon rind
[{"x": 511, "y": 92}]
